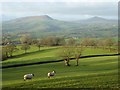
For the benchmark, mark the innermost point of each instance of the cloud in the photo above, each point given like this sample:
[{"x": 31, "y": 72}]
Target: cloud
[
  {"x": 63, "y": 10},
  {"x": 66, "y": 1}
]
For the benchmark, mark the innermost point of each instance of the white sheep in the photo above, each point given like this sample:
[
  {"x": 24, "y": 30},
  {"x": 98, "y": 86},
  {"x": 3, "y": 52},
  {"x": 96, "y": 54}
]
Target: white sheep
[
  {"x": 28, "y": 76},
  {"x": 50, "y": 74}
]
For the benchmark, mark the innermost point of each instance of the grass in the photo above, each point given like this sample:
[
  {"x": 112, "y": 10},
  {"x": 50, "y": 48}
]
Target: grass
[
  {"x": 97, "y": 72},
  {"x": 45, "y": 54}
]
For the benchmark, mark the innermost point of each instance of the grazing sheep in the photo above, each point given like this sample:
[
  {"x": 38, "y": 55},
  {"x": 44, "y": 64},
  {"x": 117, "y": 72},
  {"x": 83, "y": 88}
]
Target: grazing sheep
[
  {"x": 28, "y": 76},
  {"x": 50, "y": 74}
]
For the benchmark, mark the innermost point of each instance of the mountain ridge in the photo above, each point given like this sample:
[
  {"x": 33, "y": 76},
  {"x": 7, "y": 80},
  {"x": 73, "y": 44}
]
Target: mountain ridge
[
  {"x": 49, "y": 17},
  {"x": 45, "y": 25}
]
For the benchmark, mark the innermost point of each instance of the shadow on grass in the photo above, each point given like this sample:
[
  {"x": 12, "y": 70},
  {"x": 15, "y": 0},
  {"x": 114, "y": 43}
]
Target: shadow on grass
[
  {"x": 31, "y": 53},
  {"x": 80, "y": 79},
  {"x": 53, "y": 61}
]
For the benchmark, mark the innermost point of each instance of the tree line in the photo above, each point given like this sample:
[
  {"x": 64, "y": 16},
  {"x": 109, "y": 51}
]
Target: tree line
[
  {"x": 9, "y": 46},
  {"x": 74, "y": 49}
]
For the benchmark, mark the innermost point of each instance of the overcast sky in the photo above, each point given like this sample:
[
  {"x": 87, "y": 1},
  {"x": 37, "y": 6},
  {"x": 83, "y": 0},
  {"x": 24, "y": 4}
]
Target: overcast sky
[{"x": 64, "y": 10}]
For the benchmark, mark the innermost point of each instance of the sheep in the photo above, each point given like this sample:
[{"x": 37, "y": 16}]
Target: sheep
[
  {"x": 50, "y": 74},
  {"x": 28, "y": 76}
]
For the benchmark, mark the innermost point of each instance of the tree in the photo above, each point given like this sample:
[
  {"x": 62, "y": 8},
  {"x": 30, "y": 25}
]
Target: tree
[
  {"x": 101, "y": 43},
  {"x": 3, "y": 54},
  {"x": 109, "y": 42},
  {"x": 6, "y": 38},
  {"x": 10, "y": 48},
  {"x": 49, "y": 41},
  {"x": 66, "y": 53},
  {"x": 61, "y": 41},
  {"x": 78, "y": 52},
  {"x": 93, "y": 43},
  {"x": 52, "y": 41},
  {"x": 38, "y": 44},
  {"x": 26, "y": 39},
  {"x": 89, "y": 42},
  {"x": 71, "y": 42},
  {"x": 85, "y": 42},
  {"x": 34, "y": 41},
  {"x": 25, "y": 47}
]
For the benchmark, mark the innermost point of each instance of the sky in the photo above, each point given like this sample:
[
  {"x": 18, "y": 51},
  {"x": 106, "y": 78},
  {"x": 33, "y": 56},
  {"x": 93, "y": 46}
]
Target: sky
[{"x": 67, "y": 10}]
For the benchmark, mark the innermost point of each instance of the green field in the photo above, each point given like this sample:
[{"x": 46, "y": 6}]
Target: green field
[
  {"x": 46, "y": 54},
  {"x": 92, "y": 72},
  {"x": 97, "y": 72}
]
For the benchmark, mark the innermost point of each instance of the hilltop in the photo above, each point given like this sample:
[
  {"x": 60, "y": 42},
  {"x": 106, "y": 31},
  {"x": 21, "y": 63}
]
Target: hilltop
[{"x": 44, "y": 25}]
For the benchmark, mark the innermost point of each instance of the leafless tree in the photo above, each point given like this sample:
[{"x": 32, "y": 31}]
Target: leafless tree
[
  {"x": 66, "y": 52},
  {"x": 78, "y": 50},
  {"x": 11, "y": 47},
  {"x": 71, "y": 42},
  {"x": 26, "y": 39},
  {"x": 25, "y": 47},
  {"x": 38, "y": 44},
  {"x": 109, "y": 43}
]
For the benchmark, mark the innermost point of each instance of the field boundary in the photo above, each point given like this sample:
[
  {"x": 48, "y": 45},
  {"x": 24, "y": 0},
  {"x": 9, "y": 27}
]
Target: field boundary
[{"x": 53, "y": 61}]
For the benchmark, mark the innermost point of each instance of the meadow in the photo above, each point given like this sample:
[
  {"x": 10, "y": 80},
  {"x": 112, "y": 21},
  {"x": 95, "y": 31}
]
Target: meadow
[
  {"x": 46, "y": 54},
  {"x": 96, "y": 72},
  {"x": 91, "y": 73}
]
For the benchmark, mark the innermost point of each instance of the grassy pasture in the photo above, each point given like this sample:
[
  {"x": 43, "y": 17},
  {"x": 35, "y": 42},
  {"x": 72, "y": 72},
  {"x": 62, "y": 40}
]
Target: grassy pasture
[
  {"x": 97, "y": 72},
  {"x": 45, "y": 54}
]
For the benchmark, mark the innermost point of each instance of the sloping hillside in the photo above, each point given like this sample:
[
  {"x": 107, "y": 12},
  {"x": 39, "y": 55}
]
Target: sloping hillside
[{"x": 44, "y": 25}]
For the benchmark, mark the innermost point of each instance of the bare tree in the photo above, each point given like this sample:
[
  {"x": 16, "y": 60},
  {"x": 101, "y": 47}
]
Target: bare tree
[
  {"x": 101, "y": 43},
  {"x": 26, "y": 39},
  {"x": 4, "y": 53},
  {"x": 34, "y": 41},
  {"x": 85, "y": 42},
  {"x": 25, "y": 47},
  {"x": 89, "y": 42},
  {"x": 110, "y": 42},
  {"x": 78, "y": 52},
  {"x": 38, "y": 44},
  {"x": 66, "y": 52},
  {"x": 10, "y": 48},
  {"x": 93, "y": 43},
  {"x": 71, "y": 42},
  {"x": 52, "y": 41}
]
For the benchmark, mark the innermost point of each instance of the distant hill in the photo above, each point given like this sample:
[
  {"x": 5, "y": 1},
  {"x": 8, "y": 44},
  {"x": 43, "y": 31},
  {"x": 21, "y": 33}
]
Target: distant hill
[
  {"x": 40, "y": 26},
  {"x": 97, "y": 19}
]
